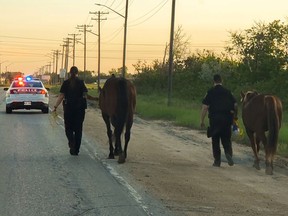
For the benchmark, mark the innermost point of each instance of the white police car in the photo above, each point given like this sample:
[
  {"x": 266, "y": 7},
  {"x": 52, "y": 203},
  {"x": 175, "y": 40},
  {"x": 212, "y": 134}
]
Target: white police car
[{"x": 27, "y": 93}]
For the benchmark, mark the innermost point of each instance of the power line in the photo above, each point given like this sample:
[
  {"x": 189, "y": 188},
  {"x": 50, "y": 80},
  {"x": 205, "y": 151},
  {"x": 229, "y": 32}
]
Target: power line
[
  {"x": 114, "y": 35},
  {"x": 161, "y": 5},
  {"x": 27, "y": 38}
]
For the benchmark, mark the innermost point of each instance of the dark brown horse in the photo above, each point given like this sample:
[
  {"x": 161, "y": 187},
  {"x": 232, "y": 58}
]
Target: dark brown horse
[
  {"x": 262, "y": 113},
  {"x": 117, "y": 101}
]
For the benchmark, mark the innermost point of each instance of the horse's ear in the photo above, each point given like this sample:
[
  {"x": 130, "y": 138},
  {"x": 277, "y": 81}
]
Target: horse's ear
[{"x": 242, "y": 94}]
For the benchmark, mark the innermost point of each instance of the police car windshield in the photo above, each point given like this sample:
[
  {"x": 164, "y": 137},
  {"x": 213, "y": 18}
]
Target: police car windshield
[{"x": 27, "y": 84}]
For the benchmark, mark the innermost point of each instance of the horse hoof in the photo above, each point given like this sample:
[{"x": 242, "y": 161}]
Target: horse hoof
[
  {"x": 111, "y": 157},
  {"x": 269, "y": 171},
  {"x": 121, "y": 159},
  {"x": 116, "y": 152},
  {"x": 256, "y": 166}
]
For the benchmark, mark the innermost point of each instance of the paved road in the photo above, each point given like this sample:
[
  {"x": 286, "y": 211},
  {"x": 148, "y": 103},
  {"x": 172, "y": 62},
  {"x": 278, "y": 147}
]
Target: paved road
[{"x": 39, "y": 177}]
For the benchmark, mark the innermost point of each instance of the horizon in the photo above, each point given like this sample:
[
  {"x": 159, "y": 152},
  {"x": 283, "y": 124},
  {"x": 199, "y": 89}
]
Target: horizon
[{"x": 32, "y": 30}]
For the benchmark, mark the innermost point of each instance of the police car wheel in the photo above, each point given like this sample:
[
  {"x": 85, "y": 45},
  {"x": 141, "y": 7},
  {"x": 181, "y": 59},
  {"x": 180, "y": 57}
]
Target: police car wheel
[
  {"x": 8, "y": 110},
  {"x": 45, "y": 110}
]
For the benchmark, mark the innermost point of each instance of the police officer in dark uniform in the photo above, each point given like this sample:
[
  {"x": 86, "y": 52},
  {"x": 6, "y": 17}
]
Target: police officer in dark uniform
[
  {"x": 221, "y": 106},
  {"x": 73, "y": 93}
]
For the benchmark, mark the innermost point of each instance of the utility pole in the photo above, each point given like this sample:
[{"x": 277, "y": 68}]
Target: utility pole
[
  {"x": 67, "y": 43},
  {"x": 125, "y": 33},
  {"x": 56, "y": 54},
  {"x": 99, "y": 42},
  {"x": 171, "y": 54},
  {"x": 84, "y": 30},
  {"x": 53, "y": 61},
  {"x": 57, "y": 58},
  {"x": 74, "y": 42},
  {"x": 62, "y": 62},
  {"x": 125, "y": 39}
]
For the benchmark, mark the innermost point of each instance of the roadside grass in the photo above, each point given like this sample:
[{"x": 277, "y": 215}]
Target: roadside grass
[
  {"x": 92, "y": 89},
  {"x": 187, "y": 114},
  {"x": 182, "y": 113},
  {"x": 283, "y": 140}
]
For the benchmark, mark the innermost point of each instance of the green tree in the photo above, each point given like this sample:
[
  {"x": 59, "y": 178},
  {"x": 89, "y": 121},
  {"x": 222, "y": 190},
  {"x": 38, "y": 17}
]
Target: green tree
[
  {"x": 117, "y": 72},
  {"x": 181, "y": 49},
  {"x": 262, "y": 50}
]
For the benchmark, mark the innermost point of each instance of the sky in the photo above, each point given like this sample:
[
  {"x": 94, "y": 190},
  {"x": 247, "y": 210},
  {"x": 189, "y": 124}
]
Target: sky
[{"x": 32, "y": 30}]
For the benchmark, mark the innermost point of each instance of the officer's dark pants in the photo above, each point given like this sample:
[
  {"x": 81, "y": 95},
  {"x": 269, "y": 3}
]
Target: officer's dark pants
[
  {"x": 73, "y": 120},
  {"x": 221, "y": 131}
]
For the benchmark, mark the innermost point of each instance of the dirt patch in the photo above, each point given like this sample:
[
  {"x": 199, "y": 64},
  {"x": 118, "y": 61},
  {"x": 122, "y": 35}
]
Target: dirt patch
[{"x": 174, "y": 165}]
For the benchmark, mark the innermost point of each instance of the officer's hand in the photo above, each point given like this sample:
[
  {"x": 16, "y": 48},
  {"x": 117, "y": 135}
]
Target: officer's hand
[{"x": 54, "y": 113}]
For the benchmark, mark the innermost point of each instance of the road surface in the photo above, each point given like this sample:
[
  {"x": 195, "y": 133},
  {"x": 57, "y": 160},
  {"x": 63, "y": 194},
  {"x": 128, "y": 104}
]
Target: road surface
[{"x": 40, "y": 177}]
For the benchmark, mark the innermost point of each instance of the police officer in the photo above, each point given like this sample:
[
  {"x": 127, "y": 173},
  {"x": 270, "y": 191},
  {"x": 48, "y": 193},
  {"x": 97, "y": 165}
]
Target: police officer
[
  {"x": 221, "y": 106},
  {"x": 73, "y": 93}
]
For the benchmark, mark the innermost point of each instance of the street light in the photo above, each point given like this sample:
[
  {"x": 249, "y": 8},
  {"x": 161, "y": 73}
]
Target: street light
[
  {"x": 8, "y": 66},
  {"x": 1, "y": 66},
  {"x": 1, "y": 71},
  {"x": 110, "y": 9},
  {"x": 125, "y": 33}
]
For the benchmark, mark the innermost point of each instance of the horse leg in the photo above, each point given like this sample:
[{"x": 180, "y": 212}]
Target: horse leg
[
  {"x": 117, "y": 149},
  {"x": 268, "y": 155},
  {"x": 127, "y": 138},
  {"x": 269, "y": 161},
  {"x": 109, "y": 134},
  {"x": 268, "y": 158},
  {"x": 127, "y": 134},
  {"x": 118, "y": 146},
  {"x": 254, "y": 143}
]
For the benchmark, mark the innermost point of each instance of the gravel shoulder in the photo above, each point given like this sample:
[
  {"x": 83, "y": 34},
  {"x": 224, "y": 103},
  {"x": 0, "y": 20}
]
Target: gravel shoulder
[{"x": 174, "y": 165}]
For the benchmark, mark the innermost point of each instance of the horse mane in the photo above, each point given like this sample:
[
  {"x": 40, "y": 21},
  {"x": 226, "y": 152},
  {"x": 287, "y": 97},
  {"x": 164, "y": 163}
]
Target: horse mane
[{"x": 247, "y": 96}]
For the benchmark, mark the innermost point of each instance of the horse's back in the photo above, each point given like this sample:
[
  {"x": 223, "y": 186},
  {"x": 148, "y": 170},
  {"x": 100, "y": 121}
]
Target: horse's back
[
  {"x": 274, "y": 106},
  {"x": 255, "y": 111},
  {"x": 109, "y": 95},
  {"x": 132, "y": 95}
]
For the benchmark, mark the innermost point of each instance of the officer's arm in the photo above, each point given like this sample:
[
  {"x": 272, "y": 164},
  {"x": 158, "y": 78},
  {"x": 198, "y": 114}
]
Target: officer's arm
[
  {"x": 235, "y": 111},
  {"x": 203, "y": 114},
  {"x": 59, "y": 100}
]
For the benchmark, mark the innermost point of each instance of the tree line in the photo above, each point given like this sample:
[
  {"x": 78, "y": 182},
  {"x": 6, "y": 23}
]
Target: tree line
[{"x": 254, "y": 59}]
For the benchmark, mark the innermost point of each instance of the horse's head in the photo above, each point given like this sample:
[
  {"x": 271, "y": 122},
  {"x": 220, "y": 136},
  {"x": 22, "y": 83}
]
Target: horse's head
[{"x": 247, "y": 96}]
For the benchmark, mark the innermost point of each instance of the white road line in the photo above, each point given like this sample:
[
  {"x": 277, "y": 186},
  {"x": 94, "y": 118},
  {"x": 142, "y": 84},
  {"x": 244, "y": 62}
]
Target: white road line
[{"x": 137, "y": 197}]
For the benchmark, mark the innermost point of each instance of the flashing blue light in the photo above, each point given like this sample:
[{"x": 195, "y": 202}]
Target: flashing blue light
[{"x": 28, "y": 78}]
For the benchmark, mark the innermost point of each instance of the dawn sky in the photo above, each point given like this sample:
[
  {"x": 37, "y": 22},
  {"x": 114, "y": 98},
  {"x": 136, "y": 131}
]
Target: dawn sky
[{"x": 31, "y": 30}]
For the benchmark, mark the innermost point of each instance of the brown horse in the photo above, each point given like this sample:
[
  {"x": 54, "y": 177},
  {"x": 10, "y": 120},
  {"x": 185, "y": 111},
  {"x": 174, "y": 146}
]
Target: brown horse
[
  {"x": 262, "y": 113},
  {"x": 117, "y": 101}
]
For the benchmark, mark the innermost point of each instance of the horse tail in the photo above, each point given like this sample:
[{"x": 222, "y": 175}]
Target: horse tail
[
  {"x": 122, "y": 103},
  {"x": 274, "y": 123}
]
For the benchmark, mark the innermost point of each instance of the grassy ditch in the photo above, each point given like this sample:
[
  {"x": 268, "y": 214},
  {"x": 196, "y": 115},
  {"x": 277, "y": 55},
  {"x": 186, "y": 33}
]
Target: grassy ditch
[{"x": 187, "y": 114}]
